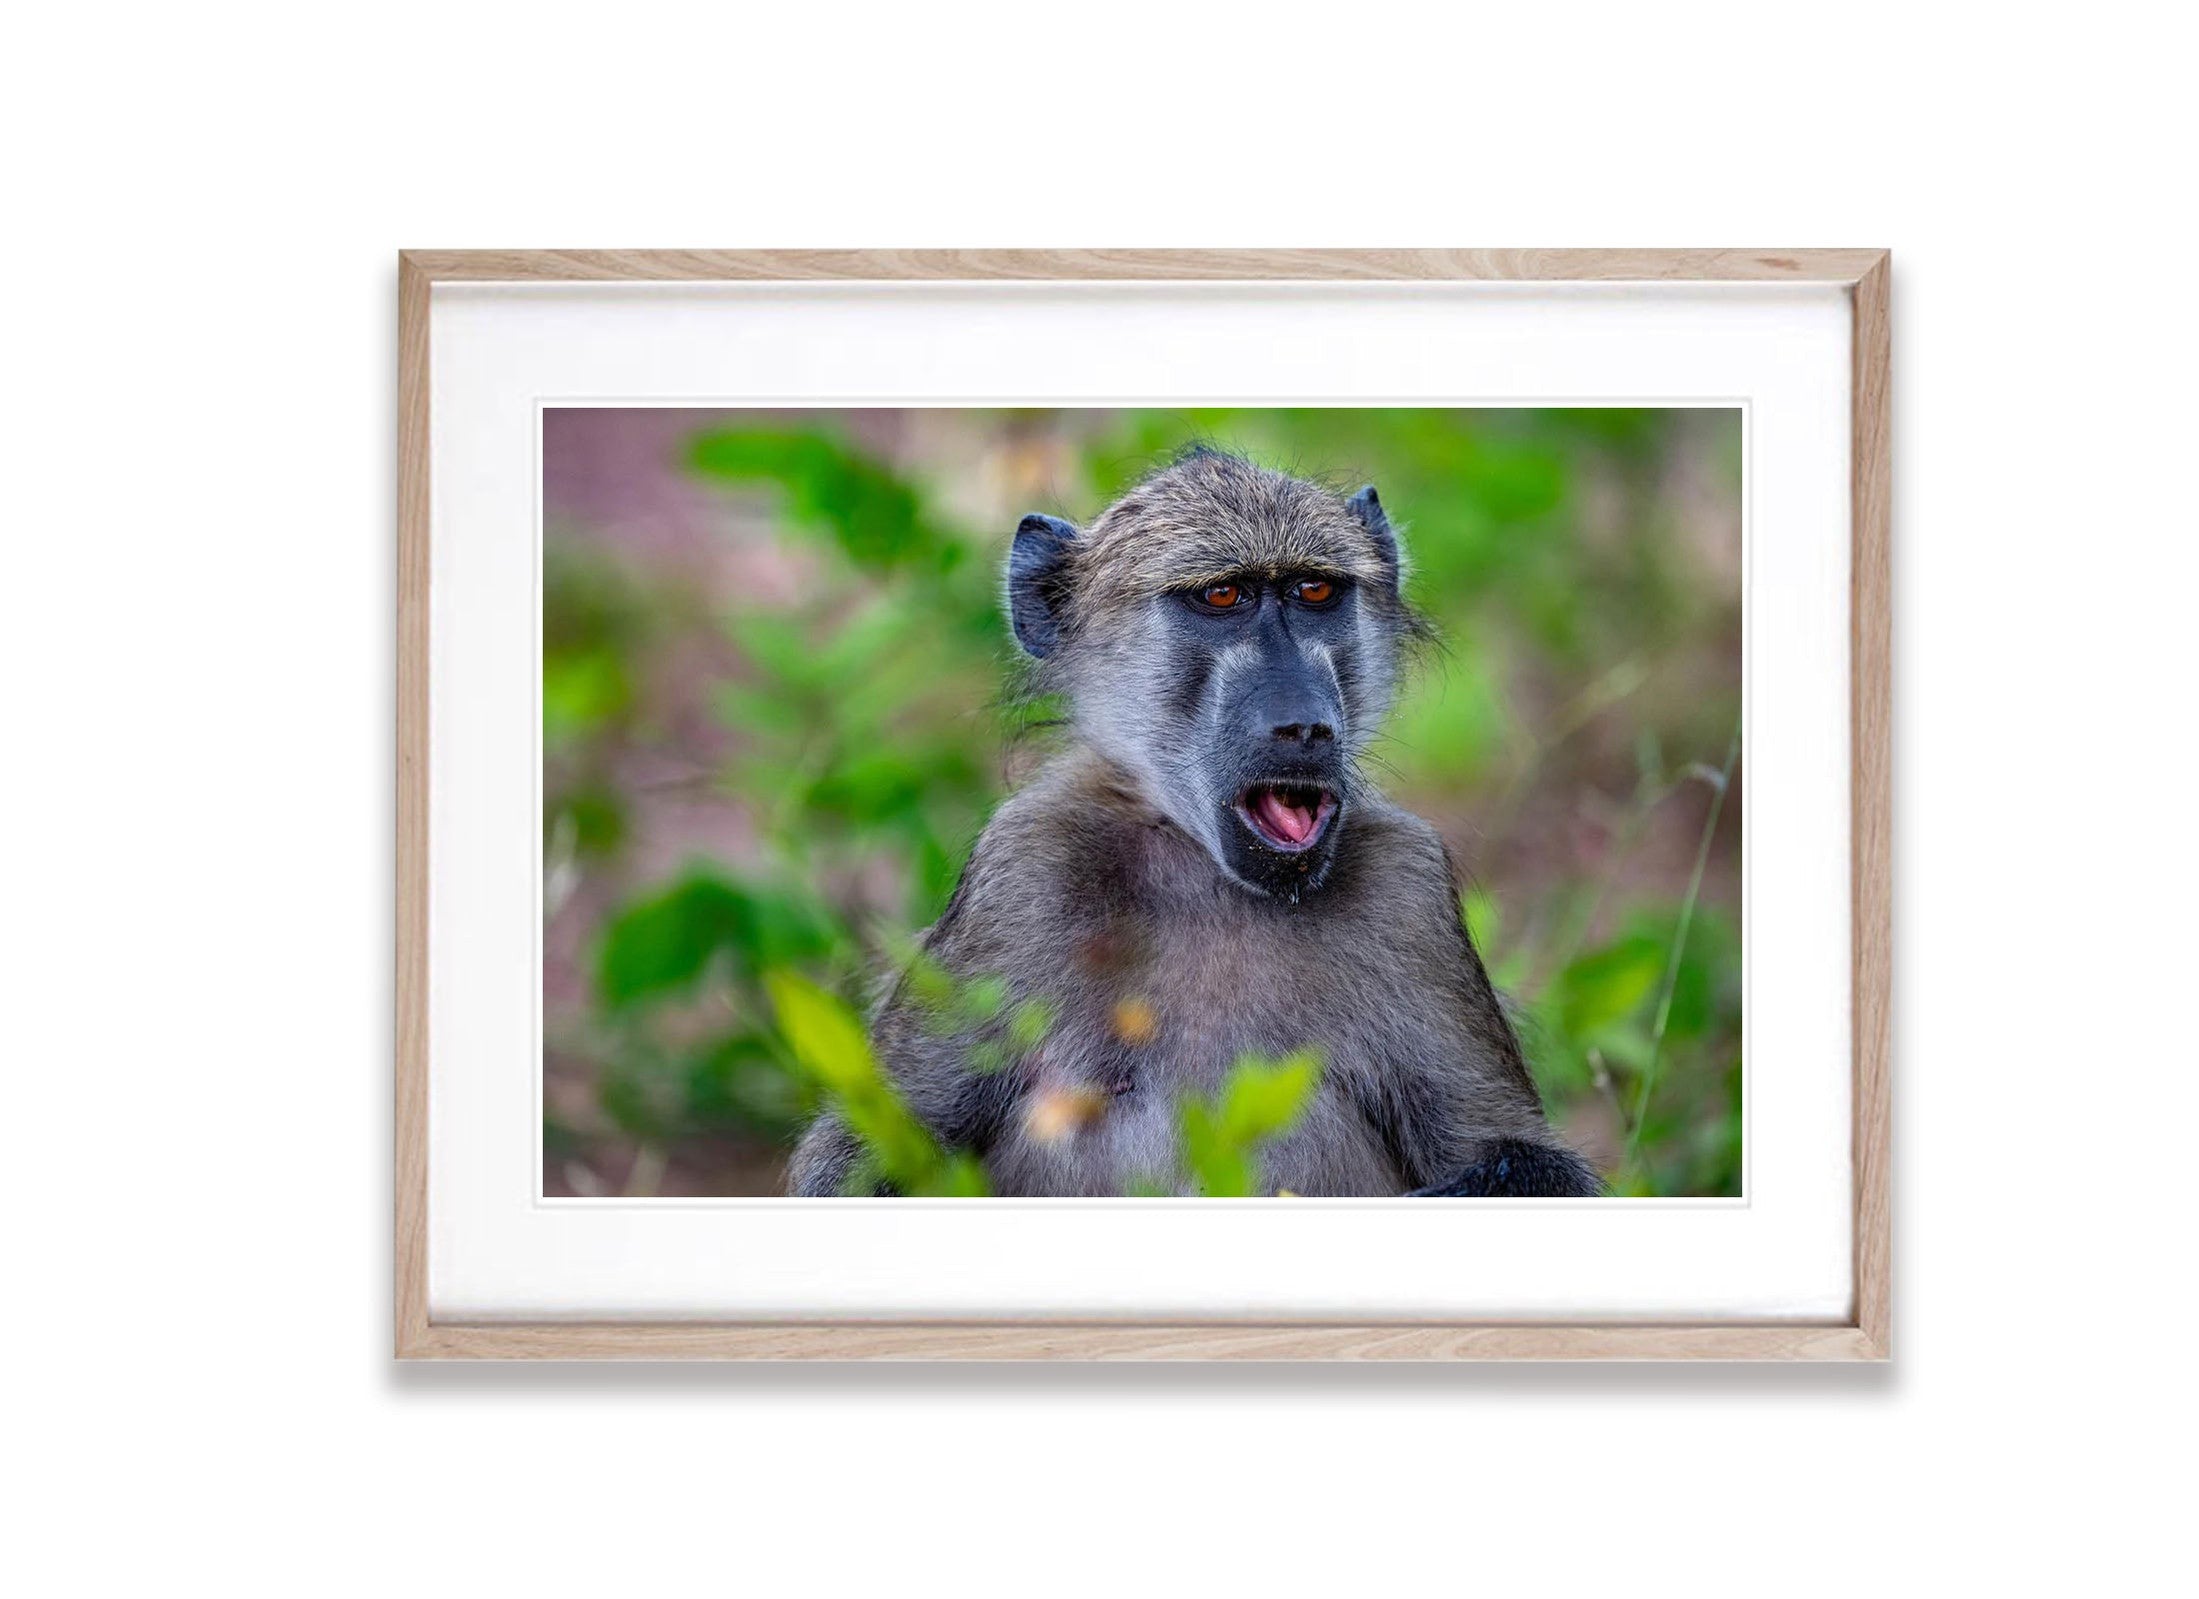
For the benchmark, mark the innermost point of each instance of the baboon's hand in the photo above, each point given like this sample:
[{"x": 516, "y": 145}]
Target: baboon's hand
[{"x": 1512, "y": 1168}]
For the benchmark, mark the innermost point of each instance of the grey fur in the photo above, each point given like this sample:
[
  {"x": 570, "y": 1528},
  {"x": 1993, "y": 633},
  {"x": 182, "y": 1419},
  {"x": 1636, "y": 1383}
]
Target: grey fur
[{"x": 1117, "y": 888}]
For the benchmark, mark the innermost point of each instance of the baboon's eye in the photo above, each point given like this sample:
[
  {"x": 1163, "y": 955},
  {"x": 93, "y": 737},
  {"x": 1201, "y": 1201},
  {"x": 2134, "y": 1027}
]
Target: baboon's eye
[
  {"x": 1222, "y": 596},
  {"x": 1316, "y": 591}
]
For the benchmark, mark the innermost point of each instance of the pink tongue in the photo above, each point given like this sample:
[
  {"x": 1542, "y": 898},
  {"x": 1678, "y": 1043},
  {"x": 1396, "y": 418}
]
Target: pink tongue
[{"x": 1290, "y": 822}]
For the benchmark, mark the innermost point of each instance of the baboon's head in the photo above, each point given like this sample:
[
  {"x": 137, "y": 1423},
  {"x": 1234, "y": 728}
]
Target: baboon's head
[{"x": 1230, "y": 636}]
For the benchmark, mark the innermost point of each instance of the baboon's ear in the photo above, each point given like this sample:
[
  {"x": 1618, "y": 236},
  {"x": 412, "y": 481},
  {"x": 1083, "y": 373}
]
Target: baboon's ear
[
  {"x": 1036, "y": 585},
  {"x": 1366, "y": 505}
]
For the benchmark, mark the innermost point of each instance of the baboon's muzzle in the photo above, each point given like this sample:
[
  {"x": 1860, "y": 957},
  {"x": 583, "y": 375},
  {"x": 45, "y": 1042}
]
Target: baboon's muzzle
[{"x": 1286, "y": 803}]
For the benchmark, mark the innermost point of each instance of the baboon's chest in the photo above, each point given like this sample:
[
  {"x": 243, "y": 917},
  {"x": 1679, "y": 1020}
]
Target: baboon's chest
[{"x": 1159, "y": 1009}]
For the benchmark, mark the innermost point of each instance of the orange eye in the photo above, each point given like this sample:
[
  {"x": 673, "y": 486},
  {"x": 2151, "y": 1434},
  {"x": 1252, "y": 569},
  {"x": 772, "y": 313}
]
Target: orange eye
[
  {"x": 1316, "y": 591},
  {"x": 1222, "y": 595}
]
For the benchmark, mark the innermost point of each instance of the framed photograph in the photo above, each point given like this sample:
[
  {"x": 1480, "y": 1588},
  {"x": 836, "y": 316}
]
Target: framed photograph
[{"x": 1143, "y": 804}]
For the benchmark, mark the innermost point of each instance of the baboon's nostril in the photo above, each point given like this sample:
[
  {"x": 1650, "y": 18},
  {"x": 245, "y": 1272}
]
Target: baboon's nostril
[{"x": 1304, "y": 732}]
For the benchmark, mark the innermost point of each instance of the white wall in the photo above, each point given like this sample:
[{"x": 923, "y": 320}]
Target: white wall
[{"x": 197, "y": 621}]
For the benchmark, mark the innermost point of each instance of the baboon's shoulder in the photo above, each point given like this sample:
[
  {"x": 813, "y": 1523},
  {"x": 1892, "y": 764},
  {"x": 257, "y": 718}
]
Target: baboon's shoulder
[
  {"x": 1062, "y": 849},
  {"x": 1393, "y": 857}
]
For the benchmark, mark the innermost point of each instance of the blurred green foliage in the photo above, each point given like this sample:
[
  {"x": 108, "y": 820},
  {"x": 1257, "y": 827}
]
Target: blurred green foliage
[
  {"x": 827, "y": 1041},
  {"x": 1260, "y": 1100},
  {"x": 863, "y": 710},
  {"x": 864, "y": 730}
]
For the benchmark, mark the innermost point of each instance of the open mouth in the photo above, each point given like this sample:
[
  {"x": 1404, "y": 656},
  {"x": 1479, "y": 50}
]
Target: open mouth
[{"x": 1290, "y": 817}]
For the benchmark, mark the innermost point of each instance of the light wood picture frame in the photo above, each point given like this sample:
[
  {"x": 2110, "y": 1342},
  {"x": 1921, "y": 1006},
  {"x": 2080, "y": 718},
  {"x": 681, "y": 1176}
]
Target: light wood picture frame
[{"x": 1863, "y": 1335}]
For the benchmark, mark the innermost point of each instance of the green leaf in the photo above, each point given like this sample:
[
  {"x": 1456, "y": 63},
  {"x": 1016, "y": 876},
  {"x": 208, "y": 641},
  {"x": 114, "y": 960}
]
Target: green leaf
[
  {"x": 829, "y": 1043},
  {"x": 873, "y": 516},
  {"x": 1262, "y": 1099},
  {"x": 597, "y": 818},
  {"x": 983, "y": 998},
  {"x": 663, "y": 944},
  {"x": 825, "y": 1035},
  {"x": 779, "y": 928},
  {"x": 1028, "y": 1025},
  {"x": 1607, "y": 985},
  {"x": 1259, "y": 1101},
  {"x": 581, "y": 692}
]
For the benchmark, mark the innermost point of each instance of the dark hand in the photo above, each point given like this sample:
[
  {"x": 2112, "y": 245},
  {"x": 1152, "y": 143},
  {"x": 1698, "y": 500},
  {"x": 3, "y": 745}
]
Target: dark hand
[{"x": 1511, "y": 1168}]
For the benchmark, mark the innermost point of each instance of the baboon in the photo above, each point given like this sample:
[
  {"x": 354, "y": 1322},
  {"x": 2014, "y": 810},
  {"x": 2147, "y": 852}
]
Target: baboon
[{"x": 1206, "y": 871}]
